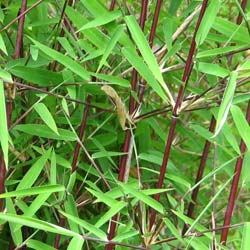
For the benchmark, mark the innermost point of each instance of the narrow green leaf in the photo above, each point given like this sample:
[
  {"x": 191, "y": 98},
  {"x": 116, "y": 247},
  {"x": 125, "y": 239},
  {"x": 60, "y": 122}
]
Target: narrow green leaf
[
  {"x": 101, "y": 20},
  {"x": 32, "y": 174},
  {"x": 110, "y": 46},
  {"x": 43, "y": 131},
  {"x": 104, "y": 198},
  {"x": 38, "y": 245},
  {"x": 208, "y": 205},
  {"x": 212, "y": 69},
  {"x": 232, "y": 30},
  {"x": 71, "y": 209},
  {"x": 246, "y": 239},
  {"x": 2, "y": 45},
  {"x": 66, "y": 45},
  {"x": 111, "y": 79},
  {"x": 226, "y": 102},
  {"x": 173, "y": 229},
  {"x": 48, "y": 189},
  {"x": 37, "y": 203},
  {"x": 53, "y": 169},
  {"x": 241, "y": 124},
  {"x": 37, "y": 75},
  {"x": 219, "y": 51},
  {"x": 65, "y": 106},
  {"x": 207, "y": 21},
  {"x": 106, "y": 154},
  {"x": 37, "y": 224},
  {"x": 34, "y": 52},
  {"x": 16, "y": 234},
  {"x": 146, "y": 52},
  {"x": 143, "y": 70},
  {"x": 64, "y": 60},
  {"x": 46, "y": 116},
  {"x": 143, "y": 197},
  {"x": 5, "y": 75},
  {"x": 227, "y": 131},
  {"x": 4, "y": 134},
  {"x": 89, "y": 227},
  {"x": 76, "y": 243},
  {"x": 116, "y": 208}
]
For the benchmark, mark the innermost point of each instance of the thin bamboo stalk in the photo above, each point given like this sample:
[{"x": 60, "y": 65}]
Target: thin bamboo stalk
[
  {"x": 175, "y": 113},
  {"x": 199, "y": 176},
  {"x": 206, "y": 149},
  {"x": 128, "y": 136},
  {"x": 81, "y": 133},
  {"x": 234, "y": 187}
]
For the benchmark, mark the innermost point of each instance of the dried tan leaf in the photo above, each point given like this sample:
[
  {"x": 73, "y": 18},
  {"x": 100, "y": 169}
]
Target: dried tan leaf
[{"x": 120, "y": 107}]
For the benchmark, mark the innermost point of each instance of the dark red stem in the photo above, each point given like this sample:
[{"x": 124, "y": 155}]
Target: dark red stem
[
  {"x": 9, "y": 105},
  {"x": 81, "y": 133},
  {"x": 243, "y": 7},
  {"x": 21, "y": 15},
  {"x": 175, "y": 114},
  {"x": 19, "y": 40},
  {"x": 112, "y": 5},
  {"x": 126, "y": 145},
  {"x": 151, "y": 41},
  {"x": 234, "y": 187},
  {"x": 238, "y": 166},
  {"x": 199, "y": 176}
]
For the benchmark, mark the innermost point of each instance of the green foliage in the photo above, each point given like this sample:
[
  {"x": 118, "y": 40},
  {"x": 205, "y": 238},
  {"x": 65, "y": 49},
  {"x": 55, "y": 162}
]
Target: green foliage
[{"x": 62, "y": 147}]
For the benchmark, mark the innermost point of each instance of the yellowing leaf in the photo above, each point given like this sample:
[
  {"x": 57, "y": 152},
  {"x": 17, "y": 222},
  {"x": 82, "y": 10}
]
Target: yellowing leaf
[{"x": 120, "y": 107}]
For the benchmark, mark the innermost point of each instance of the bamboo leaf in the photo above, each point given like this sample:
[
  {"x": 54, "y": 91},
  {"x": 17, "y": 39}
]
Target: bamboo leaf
[
  {"x": 44, "y": 131},
  {"x": 2, "y": 45},
  {"x": 207, "y": 21},
  {"x": 76, "y": 243},
  {"x": 64, "y": 60},
  {"x": 16, "y": 234},
  {"x": 37, "y": 75},
  {"x": 246, "y": 239},
  {"x": 32, "y": 174},
  {"x": 48, "y": 189},
  {"x": 143, "y": 197},
  {"x": 37, "y": 224},
  {"x": 146, "y": 52},
  {"x": 38, "y": 245},
  {"x": 89, "y": 227},
  {"x": 5, "y": 75},
  {"x": 110, "y": 46},
  {"x": 116, "y": 208},
  {"x": 4, "y": 134},
  {"x": 101, "y": 20},
  {"x": 226, "y": 102},
  {"x": 219, "y": 51},
  {"x": 143, "y": 70},
  {"x": 241, "y": 124},
  {"x": 46, "y": 116},
  {"x": 213, "y": 69}
]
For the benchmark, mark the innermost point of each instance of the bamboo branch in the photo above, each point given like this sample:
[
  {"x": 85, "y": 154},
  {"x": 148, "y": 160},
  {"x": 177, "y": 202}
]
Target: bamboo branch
[{"x": 175, "y": 113}]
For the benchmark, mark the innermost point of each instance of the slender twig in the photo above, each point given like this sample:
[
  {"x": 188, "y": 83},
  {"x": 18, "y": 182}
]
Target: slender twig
[
  {"x": 175, "y": 113},
  {"x": 81, "y": 133},
  {"x": 199, "y": 234},
  {"x": 21, "y": 15}
]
